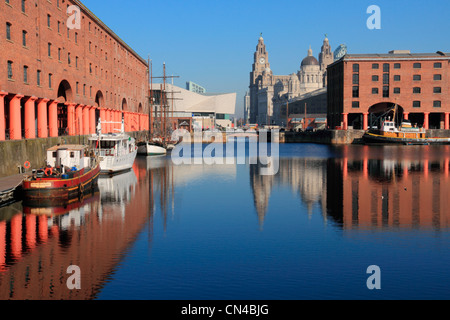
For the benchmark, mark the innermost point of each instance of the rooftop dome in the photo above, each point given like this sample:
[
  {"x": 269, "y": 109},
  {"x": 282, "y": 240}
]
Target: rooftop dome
[{"x": 310, "y": 60}]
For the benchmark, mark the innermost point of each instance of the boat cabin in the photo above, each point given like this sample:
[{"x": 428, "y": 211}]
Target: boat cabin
[
  {"x": 75, "y": 157},
  {"x": 389, "y": 126}
]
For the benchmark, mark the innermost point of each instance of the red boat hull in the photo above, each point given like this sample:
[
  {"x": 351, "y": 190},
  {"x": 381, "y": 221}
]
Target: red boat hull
[{"x": 59, "y": 189}]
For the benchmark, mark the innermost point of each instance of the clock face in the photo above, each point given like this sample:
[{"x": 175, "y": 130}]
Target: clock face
[{"x": 262, "y": 60}]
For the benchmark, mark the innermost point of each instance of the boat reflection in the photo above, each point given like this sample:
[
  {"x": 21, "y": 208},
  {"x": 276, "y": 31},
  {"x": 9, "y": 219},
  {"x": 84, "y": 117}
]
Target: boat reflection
[{"x": 38, "y": 244}]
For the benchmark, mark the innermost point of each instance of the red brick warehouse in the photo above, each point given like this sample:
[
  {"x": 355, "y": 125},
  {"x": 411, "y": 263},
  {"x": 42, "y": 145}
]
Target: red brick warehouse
[
  {"x": 57, "y": 80},
  {"x": 362, "y": 87}
]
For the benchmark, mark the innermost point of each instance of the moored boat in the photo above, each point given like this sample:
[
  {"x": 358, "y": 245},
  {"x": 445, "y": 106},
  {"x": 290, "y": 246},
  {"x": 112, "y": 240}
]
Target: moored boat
[
  {"x": 72, "y": 171},
  {"x": 406, "y": 134},
  {"x": 147, "y": 148},
  {"x": 116, "y": 151}
]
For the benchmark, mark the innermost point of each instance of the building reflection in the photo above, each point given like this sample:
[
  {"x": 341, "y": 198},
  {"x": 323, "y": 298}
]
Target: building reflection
[
  {"x": 37, "y": 245},
  {"x": 367, "y": 187},
  {"x": 305, "y": 177},
  {"x": 390, "y": 187}
]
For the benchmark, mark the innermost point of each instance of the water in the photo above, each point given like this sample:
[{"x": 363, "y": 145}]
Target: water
[{"x": 202, "y": 232}]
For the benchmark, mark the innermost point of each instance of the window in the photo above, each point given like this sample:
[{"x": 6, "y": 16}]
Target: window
[
  {"x": 90, "y": 46},
  {"x": 417, "y": 77},
  {"x": 355, "y": 104},
  {"x": 68, "y": 58},
  {"x": 416, "y": 90},
  {"x": 437, "y": 90},
  {"x": 386, "y": 67},
  {"x": 38, "y": 77},
  {"x": 59, "y": 27},
  {"x": 385, "y": 92},
  {"x": 417, "y": 65},
  {"x": 375, "y": 66},
  {"x": 77, "y": 87},
  {"x": 76, "y": 62},
  {"x": 50, "y": 80},
  {"x": 76, "y": 37},
  {"x": 10, "y": 72},
  {"x": 397, "y": 78},
  {"x": 8, "y": 31},
  {"x": 436, "y": 104},
  {"x": 57, "y": 3},
  {"x": 23, "y": 6},
  {"x": 386, "y": 78},
  {"x": 59, "y": 54},
  {"x": 49, "y": 49},
  {"x": 416, "y": 104},
  {"x": 437, "y": 65},
  {"x": 49, "y": 19},
  {"x": 374, "y": 90},
  {"x": 437, "y": 77},
  {"x": 355, "y": 92},
  {"x": 24, "y": 38},
  {"x": 397, "y": 90},
  {"x": 397, "y": 66},
  {"x": 375, "y": 78},
  {"x": 25, "y": 74},
  {"x": 90, "y": 68},
  {"x": 355, "y": 67},
  {"x": 356, "y": 79}
]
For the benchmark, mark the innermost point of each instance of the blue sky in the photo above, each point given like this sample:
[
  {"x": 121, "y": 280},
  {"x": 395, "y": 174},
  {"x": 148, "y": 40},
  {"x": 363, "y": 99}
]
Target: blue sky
[{"x": 211, "y": 42}]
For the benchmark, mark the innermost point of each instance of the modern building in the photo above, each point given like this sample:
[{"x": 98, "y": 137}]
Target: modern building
[
  {"x": 268, "y": 91},
  {"x": 59, "y": 77},
  {"x": 190, "y": 110},
  {"x": 191, "y": 86},
  {"x": 365, "y": 88}
]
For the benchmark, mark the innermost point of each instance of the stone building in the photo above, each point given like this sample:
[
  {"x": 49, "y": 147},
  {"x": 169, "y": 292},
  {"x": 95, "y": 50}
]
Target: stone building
[
  {"x": 269, "y": 92},
  {"x": 59, "y": 79}
]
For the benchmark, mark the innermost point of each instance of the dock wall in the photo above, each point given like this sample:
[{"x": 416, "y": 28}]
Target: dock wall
[{"x": 14, "y": 153}]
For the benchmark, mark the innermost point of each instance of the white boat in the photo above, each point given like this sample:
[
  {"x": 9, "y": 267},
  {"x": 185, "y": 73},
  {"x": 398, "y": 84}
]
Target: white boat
[
  {"x": 116, "y": 151},
  {"x": 150, "y": 149}
]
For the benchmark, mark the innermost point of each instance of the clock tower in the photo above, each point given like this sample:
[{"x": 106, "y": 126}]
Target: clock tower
[{"x": 260, "y": 77}]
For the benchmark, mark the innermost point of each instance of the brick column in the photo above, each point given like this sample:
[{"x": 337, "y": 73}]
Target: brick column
[
  {"x": 345, "y": 121},
  {"x": 79, "y": 119},
  {"x": 42, "y": 118},
  {"x": 2, "y": 116},
  {"x": 103, "y": 119},
  {"x": 365, "y": 121},
  {"x": 446, "y": 121},
  {"x": 92, "y": 124},
  {"x": 85, "y": 120},
  {"x": 406, "y": 115},
  {"x": 53, "y": 118},
  {"x": 30, "y": 116},
  {"x": 426, "y": 120},
  {"x": 15, "y": 118},
  {"x": 71, "y": 119},
  {"x": 108, "y": 118}
]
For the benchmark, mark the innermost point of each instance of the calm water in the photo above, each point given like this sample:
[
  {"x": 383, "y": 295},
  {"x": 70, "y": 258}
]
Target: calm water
[{"x": 192, "y": 232}]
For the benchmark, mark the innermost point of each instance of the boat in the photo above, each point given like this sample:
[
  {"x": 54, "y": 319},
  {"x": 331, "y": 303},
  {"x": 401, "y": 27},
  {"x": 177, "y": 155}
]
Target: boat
[
  {"x": 71, "y": 171},
  {"x": 406, "y": 134},
  {"x": 116, "y": 151},
  {"x": 149, "y": 148}
]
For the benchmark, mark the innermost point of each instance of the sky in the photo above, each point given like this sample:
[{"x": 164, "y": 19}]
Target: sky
[{"x": 212, "y": 42}]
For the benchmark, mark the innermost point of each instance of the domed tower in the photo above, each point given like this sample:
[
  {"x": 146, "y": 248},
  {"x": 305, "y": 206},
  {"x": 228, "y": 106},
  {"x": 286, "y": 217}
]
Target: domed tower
[
  {"x": 326, "y": 57},
  {"x": 310, "y": 75},
  {"x": 260, "y": 77}
]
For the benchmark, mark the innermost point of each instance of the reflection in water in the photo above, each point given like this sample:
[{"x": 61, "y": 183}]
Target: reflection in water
[
  {"x": 376, "y": 188},
  {"x": 37, "y": 245},
  {"x": 367, "y": 187}
]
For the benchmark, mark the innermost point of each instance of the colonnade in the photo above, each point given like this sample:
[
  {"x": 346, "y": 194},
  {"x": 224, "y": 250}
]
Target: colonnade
[{"x": 39, "y": 119}]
